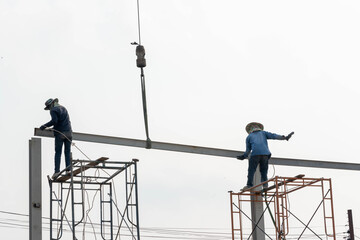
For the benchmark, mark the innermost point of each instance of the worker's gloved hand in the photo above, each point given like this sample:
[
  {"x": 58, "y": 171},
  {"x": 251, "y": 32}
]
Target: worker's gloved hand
[
  {"x": 241, "y": 157},
  {"x": 289, "y": 136},
  {"x": 42, "y": 127}
]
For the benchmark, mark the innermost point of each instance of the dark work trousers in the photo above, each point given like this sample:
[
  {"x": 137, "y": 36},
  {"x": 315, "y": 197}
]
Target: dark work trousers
[
  {"x": 254, "y": 161},
  {"x": 61, "y": 140}
]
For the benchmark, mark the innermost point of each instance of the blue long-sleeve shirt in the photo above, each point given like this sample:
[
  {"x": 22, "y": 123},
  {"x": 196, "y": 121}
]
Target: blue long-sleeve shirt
[
  {"x": 59, "y": 119},
  {"x": 256, "y": 143}
]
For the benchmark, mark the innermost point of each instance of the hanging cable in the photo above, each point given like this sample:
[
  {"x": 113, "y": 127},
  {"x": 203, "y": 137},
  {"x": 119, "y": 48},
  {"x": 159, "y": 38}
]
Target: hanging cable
[
  {"x": 96, "y": 172},
  {"x": 141, "y": 63},
  {"x": 138, "y": 16},
  {"x": 72, "y": 143}
]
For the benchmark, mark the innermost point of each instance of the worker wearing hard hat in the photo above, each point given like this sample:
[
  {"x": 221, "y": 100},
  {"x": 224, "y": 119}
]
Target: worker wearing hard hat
[
  {"x": 62, "y": 132},
  {"x": 257, "y": 145}
]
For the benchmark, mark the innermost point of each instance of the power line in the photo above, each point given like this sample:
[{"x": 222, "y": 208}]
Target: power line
[{"x": 150, "y": 232}]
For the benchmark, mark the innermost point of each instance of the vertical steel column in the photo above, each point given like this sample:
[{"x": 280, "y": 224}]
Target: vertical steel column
[
  {"x": 51, "y": 209},
  {"x": 111, "y": 214},
  {"x": 257, "y": 209},
  {"x": 35, "y": 212},
  {"x": 137, "y": 200},
  {"x": 106, "y": 223},
  {"x": 232, "y": 215},
  {"x": 72, "y": 202},
  {"x": 332, "y": 209},
  {"x": 324, "y": 200},
  {"x": 351, "y": 225},
  {"x": 277, "y": 207},
  {"x": 101, "y": 211},
  {"x": 240, "y": 216}
]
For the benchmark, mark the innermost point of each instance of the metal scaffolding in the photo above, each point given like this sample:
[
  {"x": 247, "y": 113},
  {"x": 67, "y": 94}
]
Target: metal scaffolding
[
  {"x": 83, "y": 201},
  {"x": 275, "y": 198},
  {"x": 257, "y": 207}
]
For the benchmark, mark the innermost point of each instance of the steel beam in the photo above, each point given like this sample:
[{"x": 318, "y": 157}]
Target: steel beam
[
  {"x": 256, "y": 207},
  {"x": 201, "y": 150},
  {"x": 35, "y": 211}
]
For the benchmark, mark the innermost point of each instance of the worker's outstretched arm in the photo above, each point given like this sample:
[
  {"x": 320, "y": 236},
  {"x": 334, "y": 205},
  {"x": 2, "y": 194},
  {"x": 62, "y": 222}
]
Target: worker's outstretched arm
[
  {"x": 289, "y": 136},
  {"x": 270, "y": 135}
]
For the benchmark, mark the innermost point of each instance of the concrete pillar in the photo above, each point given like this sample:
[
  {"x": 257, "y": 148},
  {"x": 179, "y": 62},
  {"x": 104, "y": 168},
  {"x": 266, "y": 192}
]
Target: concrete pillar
[
  {"x": 257, "y": 209},
  {"x": 35, "y": 205}
]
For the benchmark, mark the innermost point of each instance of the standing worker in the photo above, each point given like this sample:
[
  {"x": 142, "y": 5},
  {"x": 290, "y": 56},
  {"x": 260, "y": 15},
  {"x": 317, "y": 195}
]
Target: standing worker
[
  {"x": 62, "y": 131},
  {"x": 256, "y": 143}
]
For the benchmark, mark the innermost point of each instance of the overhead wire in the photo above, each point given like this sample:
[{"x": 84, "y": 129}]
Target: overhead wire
[
  {"x": 196, "y": 233},
  {"x": 166, "y": 233}
]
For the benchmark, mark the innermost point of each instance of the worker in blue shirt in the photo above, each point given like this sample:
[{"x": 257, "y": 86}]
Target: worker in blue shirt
[
  {"x": 62, "y": 132},
  {"x": 257, "y": 145}
]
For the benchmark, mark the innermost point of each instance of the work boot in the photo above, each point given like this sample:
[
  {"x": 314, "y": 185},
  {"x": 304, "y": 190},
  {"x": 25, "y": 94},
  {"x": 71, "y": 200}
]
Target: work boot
[{"x": 55, "y": 175}]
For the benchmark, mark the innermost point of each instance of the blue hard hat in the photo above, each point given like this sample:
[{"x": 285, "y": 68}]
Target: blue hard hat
[{"x": 49, "y": 102}]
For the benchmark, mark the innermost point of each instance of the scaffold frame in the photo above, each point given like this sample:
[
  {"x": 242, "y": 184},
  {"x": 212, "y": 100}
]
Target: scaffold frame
[
  {"x": 72, "y": 188},
  {"x": 275, "y": 200}
]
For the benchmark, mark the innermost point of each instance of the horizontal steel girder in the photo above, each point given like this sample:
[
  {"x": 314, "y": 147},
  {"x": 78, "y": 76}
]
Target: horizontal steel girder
[{"x": 200, "y": 150}]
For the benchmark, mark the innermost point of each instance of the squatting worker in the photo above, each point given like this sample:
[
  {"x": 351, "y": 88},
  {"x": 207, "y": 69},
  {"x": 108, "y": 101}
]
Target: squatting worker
[
  {"x": 257, "y": 145},
  {"x": 62, "y": 132}
]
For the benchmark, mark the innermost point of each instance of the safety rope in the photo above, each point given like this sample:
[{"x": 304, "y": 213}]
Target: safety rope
[
  {"x": 72, "y": 143},
  {"x": 96, "y": 172}
]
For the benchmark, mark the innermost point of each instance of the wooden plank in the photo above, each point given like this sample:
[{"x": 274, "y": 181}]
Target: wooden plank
[
  {"x": 283, "y": 182},
  {"x": 271, "y": 187},
  {"x": 81, "y": 169}
]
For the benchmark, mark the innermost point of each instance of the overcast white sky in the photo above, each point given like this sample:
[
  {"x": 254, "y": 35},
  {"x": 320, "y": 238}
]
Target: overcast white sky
[{"x": 213, "y": 66}]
